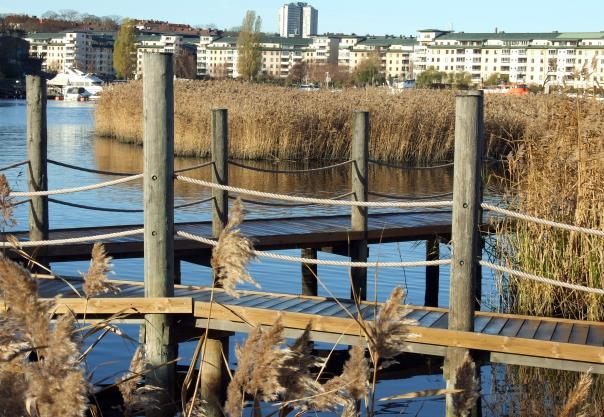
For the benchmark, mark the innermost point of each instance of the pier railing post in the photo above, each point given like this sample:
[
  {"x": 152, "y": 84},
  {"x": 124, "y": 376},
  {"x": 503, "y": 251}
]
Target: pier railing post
[
  {"x": 220, "y": 169},
  {"x": 37, "y": 154},
  {"x": 360, "y": 169},
  {"x": 467, "y": 184},
  {"x": 158, "y": 105},
  {"x": 432, "y": 273},
  {"x": 212, "y": 367}
]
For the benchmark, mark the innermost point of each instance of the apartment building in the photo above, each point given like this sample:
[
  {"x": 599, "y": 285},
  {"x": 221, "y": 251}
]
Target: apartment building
[
  {"x": 560, "y": 58},
  {"x": 84, "y": 50},
  {"x": 217, "y": 56},
  {"x": 394, "y": 54},
  {"x": 298, "y": 19}
]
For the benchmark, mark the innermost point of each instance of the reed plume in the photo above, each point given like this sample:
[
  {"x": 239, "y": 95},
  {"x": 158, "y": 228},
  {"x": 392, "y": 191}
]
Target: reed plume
[
  {"x": 6, "y": 203},
  {"x": 259, "y": 363},
  {"x": 138, "y": 398},
  {"x": 576, "y": 404},
  {"x": 469, "y": 386},
  {"x": 232, "y": 253},
  {"x": 95, "y": 279},
  {"x": 53, "y": 384}
]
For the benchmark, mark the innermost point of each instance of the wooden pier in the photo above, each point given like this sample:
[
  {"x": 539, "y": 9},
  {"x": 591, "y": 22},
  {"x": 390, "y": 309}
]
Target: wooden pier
[{"x": 173, "y": 309}]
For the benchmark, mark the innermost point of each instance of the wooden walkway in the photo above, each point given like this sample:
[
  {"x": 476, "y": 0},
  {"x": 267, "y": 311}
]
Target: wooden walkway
[
  {"x": 331, "y": 233},
  {"x": 502, "y": 338}
]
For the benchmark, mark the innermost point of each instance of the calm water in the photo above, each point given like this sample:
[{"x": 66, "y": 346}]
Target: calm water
[{"x": 71, "y": 139}]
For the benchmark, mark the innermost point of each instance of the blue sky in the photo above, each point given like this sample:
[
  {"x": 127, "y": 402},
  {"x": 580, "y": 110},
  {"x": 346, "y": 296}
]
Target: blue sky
[{"x": 358, "y": 16}]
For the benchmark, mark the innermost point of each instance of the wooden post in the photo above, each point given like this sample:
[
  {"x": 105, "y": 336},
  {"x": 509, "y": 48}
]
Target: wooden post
[
  {"x": 36, "y": 151},
  {"x": 467, "y": 184},
  {"x": 220, "y": 169},
  {"x": 309, "y": 273},
  {"x": 212, "y": 371},
  {"x": 432, "y": 273},
  {"x": 360, "y": 156},
  {"x": 158, "y": 104}
]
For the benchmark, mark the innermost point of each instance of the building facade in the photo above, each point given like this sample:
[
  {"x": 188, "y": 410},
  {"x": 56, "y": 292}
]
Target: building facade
[
  {"x": 87, "y": 51},
  {"x": 298, "y": 19}
]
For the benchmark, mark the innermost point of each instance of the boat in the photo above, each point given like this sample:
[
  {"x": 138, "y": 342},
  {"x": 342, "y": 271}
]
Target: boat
[{"x": 77, "y": 85}]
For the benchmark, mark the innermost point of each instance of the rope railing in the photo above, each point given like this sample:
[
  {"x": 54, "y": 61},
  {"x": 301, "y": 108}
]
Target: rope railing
[
  {"x": 75, "y": 189},
  {"x": 120, "y": 210},
  {"x": 93, "y": 171},
  {"x": 288, "y": 171},
  {"x": 329, "y": 262},
  {"x": 389, "y": 165},
  {"x": 540, "y": 279},
  {"x": 191, "y": 168},
  {"x": 298, "y": 199},
  {"x": 15, "y": 165},
  {"x": 273, "y": 204},
  {"x": 414, "y": 197},
  {"x": 82, "y": 239},
  {"x": 538, "y": 220}
]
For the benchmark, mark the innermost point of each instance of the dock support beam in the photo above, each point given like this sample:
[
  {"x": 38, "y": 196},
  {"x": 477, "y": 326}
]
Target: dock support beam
[
  {"x": 432, "y": 273},
  {"x": 360, "y": 155},
  {"x": 212, "y": 369},
  {"x": 37, "y": 153},
  {"x": 158, "y": 104},
  {"x": 467, "y": 184},
  {"x": 309, "y": 273}
]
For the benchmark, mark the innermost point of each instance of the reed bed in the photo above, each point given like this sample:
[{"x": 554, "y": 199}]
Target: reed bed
[{"x": 277, "y": 123}]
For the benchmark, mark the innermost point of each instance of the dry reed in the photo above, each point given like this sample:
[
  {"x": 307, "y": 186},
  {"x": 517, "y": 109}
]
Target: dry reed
[
  {"x": 6, "y": 203},
  {"x": 95, "y": 279},
  {"x": 576, "y": 405},
  {"x": 138, "y": 398}
]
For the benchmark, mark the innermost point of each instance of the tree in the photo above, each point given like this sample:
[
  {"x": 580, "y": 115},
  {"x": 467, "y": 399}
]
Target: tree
[
  {"x": 124, "y": 51},
  {"x": 249, "y": 60},
  {"x": 461, "y": 79},
  {"x": 496, "y": 79},
  {"x": 368, "y": 71},
  {"x": 298, "y": 72},
  {"x": 185, "y": 64},
  {"x": 430, "y": 76}
]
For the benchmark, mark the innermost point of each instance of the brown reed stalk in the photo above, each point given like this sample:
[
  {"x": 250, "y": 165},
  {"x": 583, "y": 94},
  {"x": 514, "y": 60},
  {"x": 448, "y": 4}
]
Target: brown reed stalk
[
  {"x": 6, "y": 203},
  {"x": 95, "y": 279},
  {"x": 576, "y": 404},
  {"x": 138, "y": 398}
]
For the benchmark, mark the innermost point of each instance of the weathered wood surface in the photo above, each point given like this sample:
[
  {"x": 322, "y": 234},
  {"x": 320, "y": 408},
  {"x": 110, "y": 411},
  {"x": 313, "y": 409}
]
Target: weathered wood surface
[
  {"x": 530, "y": 337},
  {"x": 284, "y": 233}
]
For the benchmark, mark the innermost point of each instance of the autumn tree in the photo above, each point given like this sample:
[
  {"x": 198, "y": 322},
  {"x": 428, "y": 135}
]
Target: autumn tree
[
  {"x": 185, "y": 64},
  {"x": 298, "y": 72},
  {"x": 430, "y": 76},
  {"x": 368, "y": 71},
  {"x": 249, "y": 55},
  {"x": 124, "y": 50}
]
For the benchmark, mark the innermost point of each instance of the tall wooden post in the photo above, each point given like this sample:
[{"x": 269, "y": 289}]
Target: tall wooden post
[
  {"x": 158, "y": 104},
  {"x": 220, "y": 169},
  {"x": 467, "y": 184},
  {"x": 432, "y": 273},
  {"x": 360, "y": 169},
  {"x": 212, "y": 368},
  {"x": 309, "y": 273},
  {"x": 37, "y": 152}
]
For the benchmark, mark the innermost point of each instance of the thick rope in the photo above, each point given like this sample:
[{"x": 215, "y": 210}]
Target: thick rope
[
  {"x": 402, "y": 197},
  {"x": 57, "y": 242},
  {"x": 271, "y": 204},
  {"x": 542, "y": 280},
  {"x": 191, "y": 168},
  {"x": 118, "y": 210},
  {"x": 76, "y": 189},
  {"x": 15, "y": 165},
  {"x": 539, "y": 220},
  {"x": 286, "y": 171},
  {"x": 323, "y": 201},
  {"x": 94, "y": 171},
  {"x": 387, "y": 165},
  {"x": 310, "y": 261}
]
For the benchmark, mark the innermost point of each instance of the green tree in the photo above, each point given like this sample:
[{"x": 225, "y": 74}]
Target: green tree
[
  {"x": 430, "y": 76},
  {"x": 461, "y": 79},
  {"x": 368, "y": 72},
  {"x": 249, "y": 55},
  {"x": 496, "y": 79},
  {"x": 124, "y": 50}
]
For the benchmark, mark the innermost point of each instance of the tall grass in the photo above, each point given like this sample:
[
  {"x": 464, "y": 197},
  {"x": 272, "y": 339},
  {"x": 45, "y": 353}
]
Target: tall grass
[{"x": 269, "y": 122}]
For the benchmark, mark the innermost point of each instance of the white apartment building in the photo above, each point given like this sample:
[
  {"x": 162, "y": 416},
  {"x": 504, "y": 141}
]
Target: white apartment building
[
  {"x": 217, "y": 56},
  {"x": 394, "y": 54},
  {"x": 87, "y": 51},
  {"x": 558, "y": 58},
  {"x": 298, "y": 19}
]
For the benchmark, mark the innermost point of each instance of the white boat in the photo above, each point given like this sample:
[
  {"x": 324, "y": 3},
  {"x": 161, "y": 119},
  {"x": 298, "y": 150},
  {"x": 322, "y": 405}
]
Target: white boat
[{"x": 77, "y": 85}]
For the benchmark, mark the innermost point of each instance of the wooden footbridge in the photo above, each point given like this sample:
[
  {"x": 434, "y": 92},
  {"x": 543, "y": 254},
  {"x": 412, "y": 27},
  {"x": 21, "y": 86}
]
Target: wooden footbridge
[{"x": 495, "y": 337}]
